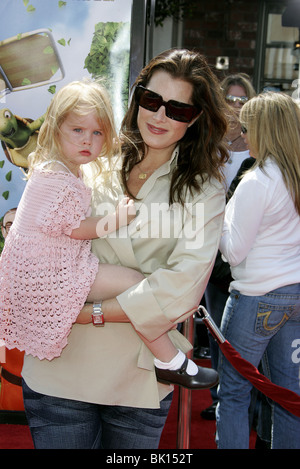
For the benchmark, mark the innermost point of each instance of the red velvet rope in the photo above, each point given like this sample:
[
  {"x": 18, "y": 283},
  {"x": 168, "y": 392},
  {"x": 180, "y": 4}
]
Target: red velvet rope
[{"x": 288, "y": 399}]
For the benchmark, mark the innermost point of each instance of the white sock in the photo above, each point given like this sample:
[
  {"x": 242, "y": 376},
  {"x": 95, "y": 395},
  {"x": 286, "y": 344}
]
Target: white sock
[{"x": 176, "y": 362}]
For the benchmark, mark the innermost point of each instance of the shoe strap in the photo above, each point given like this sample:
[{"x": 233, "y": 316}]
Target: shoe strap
[{"x": 183, "y": 367}]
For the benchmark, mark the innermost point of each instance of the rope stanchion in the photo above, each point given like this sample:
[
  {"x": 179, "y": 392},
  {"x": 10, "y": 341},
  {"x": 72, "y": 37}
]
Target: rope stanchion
[
  {"x": 288, "y": 399},
  {"x": 185, "y": 396}
]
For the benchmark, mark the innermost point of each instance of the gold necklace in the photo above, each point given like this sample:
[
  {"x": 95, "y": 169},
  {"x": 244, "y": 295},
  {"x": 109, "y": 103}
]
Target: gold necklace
[{"x": 144, "y": 174}]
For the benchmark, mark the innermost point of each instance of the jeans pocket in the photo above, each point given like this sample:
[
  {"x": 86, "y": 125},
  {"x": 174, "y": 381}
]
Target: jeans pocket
[{"x": 270, "y": 318}]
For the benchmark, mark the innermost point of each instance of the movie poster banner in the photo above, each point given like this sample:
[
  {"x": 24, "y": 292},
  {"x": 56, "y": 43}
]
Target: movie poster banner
[{"x": 45, "y": 44}]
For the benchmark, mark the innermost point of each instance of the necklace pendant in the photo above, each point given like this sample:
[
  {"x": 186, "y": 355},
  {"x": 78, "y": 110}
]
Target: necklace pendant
[{"x": 142, "y": 176}]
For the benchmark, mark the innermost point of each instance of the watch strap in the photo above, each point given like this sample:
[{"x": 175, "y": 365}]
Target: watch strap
[{"x": 97, "y": 316}]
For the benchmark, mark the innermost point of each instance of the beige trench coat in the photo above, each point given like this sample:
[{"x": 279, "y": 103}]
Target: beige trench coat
[{"x": 175, "y": 249}]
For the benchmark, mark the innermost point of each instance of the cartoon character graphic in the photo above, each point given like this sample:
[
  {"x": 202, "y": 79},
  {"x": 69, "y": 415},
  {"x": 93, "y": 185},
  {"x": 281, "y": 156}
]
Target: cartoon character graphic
[{"x": 18, "y": 136}]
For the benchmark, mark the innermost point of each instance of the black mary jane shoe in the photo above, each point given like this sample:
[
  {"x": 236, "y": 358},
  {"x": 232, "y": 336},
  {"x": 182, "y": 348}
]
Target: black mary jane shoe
[{"x": 204, "y": 379}]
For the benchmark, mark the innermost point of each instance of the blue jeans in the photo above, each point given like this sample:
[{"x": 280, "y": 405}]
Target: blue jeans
[
  {"x": 265, "y": 326},
  {"x": 57, "y": 423}
]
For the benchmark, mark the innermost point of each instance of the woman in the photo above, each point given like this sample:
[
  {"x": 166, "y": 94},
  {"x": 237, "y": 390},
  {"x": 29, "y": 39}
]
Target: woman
[
  {"x": 104, "y": 385},
  {"x": 261, "y": 242},
  {"x": 237, "y": 90}
]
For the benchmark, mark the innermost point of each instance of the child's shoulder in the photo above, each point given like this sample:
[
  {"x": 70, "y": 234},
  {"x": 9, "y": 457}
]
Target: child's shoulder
[
  {"x": 57, "y": 178},
  {"x": 53, "y": 166}
]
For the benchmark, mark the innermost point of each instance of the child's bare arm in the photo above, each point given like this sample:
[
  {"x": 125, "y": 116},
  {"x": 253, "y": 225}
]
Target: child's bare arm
[{"x": 96, "y": 227}]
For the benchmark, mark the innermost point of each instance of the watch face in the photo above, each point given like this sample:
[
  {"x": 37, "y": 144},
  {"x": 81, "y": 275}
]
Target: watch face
[{"x": 98, "y": 319}]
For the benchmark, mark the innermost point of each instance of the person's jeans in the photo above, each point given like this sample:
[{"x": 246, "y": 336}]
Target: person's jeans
[
  {"x": 254, "y": 325},
  {"x": 57, "y": 423}
]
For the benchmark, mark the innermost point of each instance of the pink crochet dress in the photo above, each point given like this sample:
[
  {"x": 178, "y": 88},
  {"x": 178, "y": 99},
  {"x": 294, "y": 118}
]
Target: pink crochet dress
[{"x": 45, "y": 276}]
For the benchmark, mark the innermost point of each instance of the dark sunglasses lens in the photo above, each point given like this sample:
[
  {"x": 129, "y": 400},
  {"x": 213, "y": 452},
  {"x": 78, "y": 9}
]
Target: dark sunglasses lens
[
  {"x": 148, "y": 100},
  {"x": 180, "y": 112},
  {"x": 175, "y": 110}
]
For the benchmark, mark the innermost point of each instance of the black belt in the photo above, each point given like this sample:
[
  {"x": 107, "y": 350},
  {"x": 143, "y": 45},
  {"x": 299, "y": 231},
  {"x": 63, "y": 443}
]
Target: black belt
[{"x": 13, "y": 379}]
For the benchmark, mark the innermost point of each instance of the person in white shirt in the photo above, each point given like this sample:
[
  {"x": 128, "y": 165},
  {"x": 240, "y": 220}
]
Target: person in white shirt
[
  {"x": 261, "y": 242},
  {"x": 237, "y": 90}
]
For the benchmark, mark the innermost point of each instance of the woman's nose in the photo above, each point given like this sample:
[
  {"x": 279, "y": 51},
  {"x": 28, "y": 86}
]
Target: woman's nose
[
  {"x": 237, "y": 104},
  {"x": 160, "y": 114}
]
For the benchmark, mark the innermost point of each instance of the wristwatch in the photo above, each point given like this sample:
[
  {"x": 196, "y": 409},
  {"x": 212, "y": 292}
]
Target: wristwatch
[{"x": 97, "y": 316}]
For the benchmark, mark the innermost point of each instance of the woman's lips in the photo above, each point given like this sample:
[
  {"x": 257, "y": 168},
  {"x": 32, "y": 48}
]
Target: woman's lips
[
  {"x": 85, "y": 153},
  {"x": 156, "y": 130}
]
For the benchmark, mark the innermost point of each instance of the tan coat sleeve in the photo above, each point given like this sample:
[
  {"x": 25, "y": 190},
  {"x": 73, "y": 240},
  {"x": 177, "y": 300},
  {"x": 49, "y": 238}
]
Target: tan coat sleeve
[{"x": 172, "y": 292}]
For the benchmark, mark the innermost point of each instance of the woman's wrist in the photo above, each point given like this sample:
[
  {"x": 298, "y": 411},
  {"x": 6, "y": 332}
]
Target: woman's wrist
[
  {"x": 113, "y": 312},
  {"x": 111, "y": 309}
]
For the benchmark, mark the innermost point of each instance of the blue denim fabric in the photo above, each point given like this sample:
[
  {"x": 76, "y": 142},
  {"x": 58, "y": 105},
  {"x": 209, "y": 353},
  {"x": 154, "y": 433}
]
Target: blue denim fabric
[
  {"x": 57, "y": 423},
  {"x": 266, "y": 326}
]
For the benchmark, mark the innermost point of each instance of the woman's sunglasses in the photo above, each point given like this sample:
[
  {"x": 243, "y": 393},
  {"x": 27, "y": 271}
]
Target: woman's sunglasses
[
  {"x": 175, "y": 110},
  {"x": 233, "y": 99}
]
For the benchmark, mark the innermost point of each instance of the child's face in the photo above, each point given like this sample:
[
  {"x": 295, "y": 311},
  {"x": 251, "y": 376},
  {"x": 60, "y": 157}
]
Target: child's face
[{"x": 81, "y": 139}]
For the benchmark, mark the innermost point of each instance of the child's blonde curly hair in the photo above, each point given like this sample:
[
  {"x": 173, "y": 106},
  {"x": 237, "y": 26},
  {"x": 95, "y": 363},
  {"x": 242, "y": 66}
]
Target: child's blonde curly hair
[{"x": 82, "y": 98}]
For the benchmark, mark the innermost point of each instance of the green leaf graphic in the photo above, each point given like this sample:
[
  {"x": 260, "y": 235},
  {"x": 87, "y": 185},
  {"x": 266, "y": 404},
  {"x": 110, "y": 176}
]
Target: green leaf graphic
[
  {"x": 48, "y": 50},
  {"x": 52, "y": 89}
]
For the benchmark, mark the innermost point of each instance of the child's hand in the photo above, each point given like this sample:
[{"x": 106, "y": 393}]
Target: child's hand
[{"x": 125, "y": 212}]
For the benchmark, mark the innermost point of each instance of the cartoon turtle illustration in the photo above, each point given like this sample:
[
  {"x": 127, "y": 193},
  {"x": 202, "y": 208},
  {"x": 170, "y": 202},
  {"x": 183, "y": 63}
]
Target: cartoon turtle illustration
[{"x": 18, "y": 136}]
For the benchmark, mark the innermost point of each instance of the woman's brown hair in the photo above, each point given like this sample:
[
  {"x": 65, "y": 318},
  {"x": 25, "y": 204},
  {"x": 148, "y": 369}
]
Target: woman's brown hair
[{"x": 202, "y": 152}]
